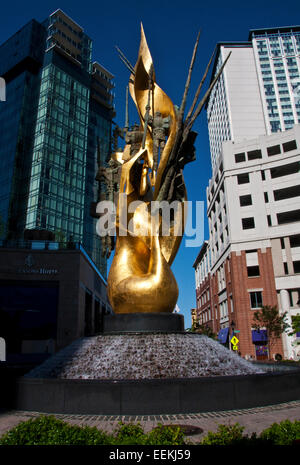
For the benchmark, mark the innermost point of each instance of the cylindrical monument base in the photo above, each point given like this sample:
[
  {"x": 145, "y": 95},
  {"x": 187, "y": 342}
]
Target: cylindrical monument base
[{"x": 143, "y": 322}]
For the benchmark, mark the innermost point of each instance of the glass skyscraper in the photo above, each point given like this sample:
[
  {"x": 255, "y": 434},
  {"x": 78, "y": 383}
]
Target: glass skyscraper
[{"x": 59, "y": 108}]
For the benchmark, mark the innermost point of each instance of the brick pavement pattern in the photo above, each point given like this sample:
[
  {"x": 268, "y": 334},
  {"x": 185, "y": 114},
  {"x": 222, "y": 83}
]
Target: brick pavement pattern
[{"x": 253, "y": 420}]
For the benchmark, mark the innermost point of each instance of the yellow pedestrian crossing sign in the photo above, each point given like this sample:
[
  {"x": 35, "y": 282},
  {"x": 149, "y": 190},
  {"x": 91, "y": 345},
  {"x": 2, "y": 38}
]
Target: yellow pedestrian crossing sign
[{"x": 234, "y": 340}]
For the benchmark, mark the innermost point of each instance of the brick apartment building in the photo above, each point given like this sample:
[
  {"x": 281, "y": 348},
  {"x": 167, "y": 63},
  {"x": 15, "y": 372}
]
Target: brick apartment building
[{"x": 252, "y": 257}]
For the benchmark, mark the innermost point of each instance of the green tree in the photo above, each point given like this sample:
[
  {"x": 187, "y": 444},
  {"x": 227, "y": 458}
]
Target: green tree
[
  {"x": 203, "y": 329},
  {"x": 268, "y": 317},
  {"x": 60, "y": 236},
  {"x": 295, "y": 325}
]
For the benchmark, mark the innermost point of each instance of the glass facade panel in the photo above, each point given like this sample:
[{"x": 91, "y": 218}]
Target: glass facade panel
[
  {"x": 63, "y": 161},
  {"x": 282, "y": 49},
  {"x": 17, "y": 122},
  {"x": 49, "y": 126}
]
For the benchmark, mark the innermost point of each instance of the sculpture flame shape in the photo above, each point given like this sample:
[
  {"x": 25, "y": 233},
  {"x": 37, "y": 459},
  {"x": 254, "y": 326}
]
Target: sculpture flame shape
[{"x": 140, "y": 278}]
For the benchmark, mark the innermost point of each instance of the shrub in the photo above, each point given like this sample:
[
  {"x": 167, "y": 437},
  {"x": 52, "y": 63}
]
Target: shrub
[
  {"x": 128, "y": 434},
  {"x": 225, "y": 435},
  {"x": 284, "y": 433},
  {"x": 47, "y": 430},
  {"x": 166, "y": 435}
]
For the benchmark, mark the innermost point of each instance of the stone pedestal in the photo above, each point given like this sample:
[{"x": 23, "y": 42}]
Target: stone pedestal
[{"x": 143, "y": 323}]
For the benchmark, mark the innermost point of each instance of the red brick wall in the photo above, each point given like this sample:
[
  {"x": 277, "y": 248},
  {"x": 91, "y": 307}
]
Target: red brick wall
[
  {"x": 237, "y": 285},
  {"x": 203, "y": 288},
  {"x": 243, "y": 314}
]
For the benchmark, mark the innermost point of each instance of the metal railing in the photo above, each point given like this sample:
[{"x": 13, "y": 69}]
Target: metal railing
[{"x": 39, "y": 245}]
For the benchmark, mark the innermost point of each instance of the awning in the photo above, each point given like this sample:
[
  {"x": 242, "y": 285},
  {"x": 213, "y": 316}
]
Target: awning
[
  {"x": 259, "y": 336},
  {"x": 223, "y": 335}
]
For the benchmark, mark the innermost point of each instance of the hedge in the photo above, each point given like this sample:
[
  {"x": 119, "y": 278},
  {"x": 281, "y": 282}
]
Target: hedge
[{"x": 48, "y": 430}]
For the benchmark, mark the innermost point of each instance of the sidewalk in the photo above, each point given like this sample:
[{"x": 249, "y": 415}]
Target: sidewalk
[{"x": 254, "y": 420}]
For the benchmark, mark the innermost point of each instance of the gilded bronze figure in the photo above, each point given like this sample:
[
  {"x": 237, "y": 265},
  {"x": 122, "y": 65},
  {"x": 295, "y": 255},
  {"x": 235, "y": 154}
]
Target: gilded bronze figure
[{"x": 140, "y": 278}]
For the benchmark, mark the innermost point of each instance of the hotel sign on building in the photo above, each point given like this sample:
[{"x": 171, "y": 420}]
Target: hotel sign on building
[
  {"x": 49, "y": 298},
  {"x": 30, "y": 268}
]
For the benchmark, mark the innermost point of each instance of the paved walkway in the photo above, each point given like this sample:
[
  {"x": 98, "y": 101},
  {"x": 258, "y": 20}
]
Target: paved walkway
[{"x": 254, "y": 420}]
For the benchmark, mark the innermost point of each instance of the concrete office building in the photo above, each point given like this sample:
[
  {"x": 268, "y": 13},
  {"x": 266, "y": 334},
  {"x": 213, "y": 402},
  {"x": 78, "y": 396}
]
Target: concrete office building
[
  {"x": 58, "y": 109},
  {"x": 253, "y": 196}
]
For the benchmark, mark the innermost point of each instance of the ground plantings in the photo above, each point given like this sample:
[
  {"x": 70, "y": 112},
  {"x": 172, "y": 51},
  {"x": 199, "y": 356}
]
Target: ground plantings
[
  {"x": 48, "y": 430},
  {"x": 284, "y": 433}
]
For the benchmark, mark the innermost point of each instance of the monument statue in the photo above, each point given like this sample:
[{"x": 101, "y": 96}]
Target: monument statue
[{"x": 140, "y": 278}]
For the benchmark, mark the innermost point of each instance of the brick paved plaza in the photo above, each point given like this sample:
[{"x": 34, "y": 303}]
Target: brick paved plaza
[{"x": 254, "y": 420}]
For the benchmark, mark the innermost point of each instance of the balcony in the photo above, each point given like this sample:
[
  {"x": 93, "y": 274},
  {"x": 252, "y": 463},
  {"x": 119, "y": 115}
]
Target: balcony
[{"x": 39, "y": 245}]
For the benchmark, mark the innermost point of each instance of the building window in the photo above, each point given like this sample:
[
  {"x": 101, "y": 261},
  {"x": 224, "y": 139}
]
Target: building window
[
  {"x": 253, "y": 271},
  {"x": 248, "y": 223},
  {"x": 269, "y": 219},
  {"x": 275, "y": 125},
  {"x": 285, "y": 266},
  {"x": 295, "y": 241},
  {"x": 254, "y": 154},
  {"x": 243, "y": 178},
  {"x": 296, "y": 266},
  {"x": 240, "y": 157},
  {"x": 285, "y": 170},
  {"x": 266, "y": 197},
  {"x": 263, "y": 176},
  {"x": 245, "y": 200},
  {"x": 252, "y": 263},
  {"x": 291, "y": 298},
  {"x": 282, "y": 243},
  {"x": 287, "y": 193},
  {"x": 288, "y": 217},
  {"x": 256, "y": 299},
  {"x": 274, "y": 150},
  {"x": 287, "y": 146}
]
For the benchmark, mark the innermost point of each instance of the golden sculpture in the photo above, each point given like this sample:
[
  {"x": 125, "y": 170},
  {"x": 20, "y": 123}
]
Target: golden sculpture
[{"x": 140, "y": 278}]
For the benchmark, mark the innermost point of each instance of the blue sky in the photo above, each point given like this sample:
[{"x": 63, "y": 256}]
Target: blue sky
[{"x": 171, "y": 28}]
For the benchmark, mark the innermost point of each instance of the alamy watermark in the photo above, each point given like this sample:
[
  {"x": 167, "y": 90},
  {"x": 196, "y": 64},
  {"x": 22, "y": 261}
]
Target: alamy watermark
[
  {"x": 2, "y": 90},
  {"x": 166, "y": 219}
]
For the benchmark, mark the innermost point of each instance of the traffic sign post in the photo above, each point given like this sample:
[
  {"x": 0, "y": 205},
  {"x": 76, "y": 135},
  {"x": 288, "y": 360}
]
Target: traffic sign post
[{"x": 234, "y": 341}]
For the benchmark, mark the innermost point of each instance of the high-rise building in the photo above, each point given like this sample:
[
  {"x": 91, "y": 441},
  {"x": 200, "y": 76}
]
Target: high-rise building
[
  {"x": 56, "y": 119},
  {"x": 253, "y": 196},
  {"x": 258, "y": 92}
]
